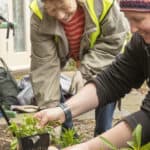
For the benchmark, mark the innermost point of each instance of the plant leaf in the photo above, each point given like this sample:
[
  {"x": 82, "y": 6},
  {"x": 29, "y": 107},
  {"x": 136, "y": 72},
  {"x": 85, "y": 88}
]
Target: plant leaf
[
  {"x": 125, "y": 148},
  {"x": 137, "y": 136},
  {"x": 13, "y": 144},
  {"x": 131, "y": 144},
  {"x": 109, "y": 144},
  {"x": 146, "y": 146}
]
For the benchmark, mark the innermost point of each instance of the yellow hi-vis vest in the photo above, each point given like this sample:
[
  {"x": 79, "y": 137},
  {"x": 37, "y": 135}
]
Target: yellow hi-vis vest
[{"x": 106, "y": 7}]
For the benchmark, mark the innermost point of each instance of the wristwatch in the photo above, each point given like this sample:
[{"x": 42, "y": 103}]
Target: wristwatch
[{"x": 66, "y": 110}]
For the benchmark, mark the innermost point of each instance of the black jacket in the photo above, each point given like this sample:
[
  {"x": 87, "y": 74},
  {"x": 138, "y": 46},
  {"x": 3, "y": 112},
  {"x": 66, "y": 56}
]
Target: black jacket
[{"x": 128, "y": 71}]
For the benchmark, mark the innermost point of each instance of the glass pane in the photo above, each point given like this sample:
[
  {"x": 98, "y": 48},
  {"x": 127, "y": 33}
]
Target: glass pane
[
  {"x": 19, "y": 14},
  {"x": 4, "y": 8}
]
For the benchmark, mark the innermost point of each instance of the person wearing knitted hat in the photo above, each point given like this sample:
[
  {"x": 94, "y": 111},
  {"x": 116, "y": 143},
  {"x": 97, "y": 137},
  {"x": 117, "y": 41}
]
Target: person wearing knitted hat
[{"x": 129, "y": 70}]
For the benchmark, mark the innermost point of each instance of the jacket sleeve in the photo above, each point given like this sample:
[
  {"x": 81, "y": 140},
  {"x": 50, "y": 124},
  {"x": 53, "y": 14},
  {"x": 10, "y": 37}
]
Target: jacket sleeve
[
  {"x": 119, "y": 78},
  {"x": 114, "y": 30},
  {"x": 45, "y": 65},
  {"x": 126, "y": 72}
]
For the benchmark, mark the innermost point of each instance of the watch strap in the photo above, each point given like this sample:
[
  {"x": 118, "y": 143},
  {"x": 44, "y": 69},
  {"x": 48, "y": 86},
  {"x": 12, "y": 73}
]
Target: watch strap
[{"x": 66, "y": 110}]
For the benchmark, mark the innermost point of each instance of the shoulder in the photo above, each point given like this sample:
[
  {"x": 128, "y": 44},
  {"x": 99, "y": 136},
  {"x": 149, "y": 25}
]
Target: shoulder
[
  {"x": 137, "y": 41},
  {"x": 136, "y": 47}
]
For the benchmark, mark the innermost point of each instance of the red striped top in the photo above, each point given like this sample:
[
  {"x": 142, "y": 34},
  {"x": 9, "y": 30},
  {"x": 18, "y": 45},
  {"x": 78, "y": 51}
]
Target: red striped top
[{"x": 74, "y": 30}]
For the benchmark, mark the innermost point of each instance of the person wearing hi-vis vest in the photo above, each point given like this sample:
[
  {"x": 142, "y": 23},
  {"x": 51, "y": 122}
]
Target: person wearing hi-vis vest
[{"x": 92, "y": 32}]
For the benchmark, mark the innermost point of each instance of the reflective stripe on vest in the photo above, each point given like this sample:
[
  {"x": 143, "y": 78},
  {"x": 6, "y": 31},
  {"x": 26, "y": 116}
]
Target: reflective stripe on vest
[
  {"x": 34, "y": 6},
  {"x": 106, "y": 7}
]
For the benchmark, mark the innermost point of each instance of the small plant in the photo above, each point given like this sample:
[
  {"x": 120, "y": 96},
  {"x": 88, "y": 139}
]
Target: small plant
[
  {"x": 69, "y": 138},
  {"x": 27, "y": 130},
  {"x": 135, "y": 144},
  {"x": 29, "y": 127}
]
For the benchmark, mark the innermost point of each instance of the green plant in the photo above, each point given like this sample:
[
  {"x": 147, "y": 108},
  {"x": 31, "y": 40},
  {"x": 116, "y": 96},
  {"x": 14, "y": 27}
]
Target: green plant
[
  {"x": 13, "y": 144},
  {"x": 29, "y": 127},
  {"x": 135, "y": 144},
  {"x": 69, "y": 138}
]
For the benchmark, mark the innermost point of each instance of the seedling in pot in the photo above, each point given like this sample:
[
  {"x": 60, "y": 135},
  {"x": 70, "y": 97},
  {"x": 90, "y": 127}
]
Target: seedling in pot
[{"x": 29, "y": 136}]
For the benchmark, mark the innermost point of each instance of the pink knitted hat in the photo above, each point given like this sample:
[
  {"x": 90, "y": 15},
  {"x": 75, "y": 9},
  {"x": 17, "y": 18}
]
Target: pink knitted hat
[{"x": 135, "y": 5}]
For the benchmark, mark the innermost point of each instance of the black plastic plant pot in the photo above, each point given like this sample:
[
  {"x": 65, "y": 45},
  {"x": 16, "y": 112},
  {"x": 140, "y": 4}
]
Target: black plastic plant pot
[{"x": 36, "y": 142}]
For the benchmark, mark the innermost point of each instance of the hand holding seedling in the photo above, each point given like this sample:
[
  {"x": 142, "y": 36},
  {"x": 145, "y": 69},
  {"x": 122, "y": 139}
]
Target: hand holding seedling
[
  {"x": 29, "y": 128},
  {"x": 51, "y": 114}
]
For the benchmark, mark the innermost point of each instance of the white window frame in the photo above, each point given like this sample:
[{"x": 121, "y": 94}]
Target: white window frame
[{"x": 16, "y": 60}]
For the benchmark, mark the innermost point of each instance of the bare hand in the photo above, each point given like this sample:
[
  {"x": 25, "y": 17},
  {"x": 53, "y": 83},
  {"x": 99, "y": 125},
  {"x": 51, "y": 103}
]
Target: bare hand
[{"x": 51, "y": 114}]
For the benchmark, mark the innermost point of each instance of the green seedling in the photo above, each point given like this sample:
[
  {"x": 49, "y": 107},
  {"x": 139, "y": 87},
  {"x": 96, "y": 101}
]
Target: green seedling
[
  {"x": 29, "y": 127},
  {"x": 69, "y": 138}
]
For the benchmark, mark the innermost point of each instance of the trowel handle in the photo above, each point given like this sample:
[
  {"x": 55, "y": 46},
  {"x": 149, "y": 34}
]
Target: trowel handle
[
  {"x": 6, "y": 118},
  {"x": 4, "y": 115}
]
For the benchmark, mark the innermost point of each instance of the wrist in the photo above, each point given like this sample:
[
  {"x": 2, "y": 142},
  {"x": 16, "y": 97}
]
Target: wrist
[
  {"x": 61, "y": 115},
  {"x": 66, "y": 112}
]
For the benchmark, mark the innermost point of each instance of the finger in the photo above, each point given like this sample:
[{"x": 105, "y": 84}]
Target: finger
[
  {"x": 37, "y": 115},
  {"x": 44, "y": 120}
]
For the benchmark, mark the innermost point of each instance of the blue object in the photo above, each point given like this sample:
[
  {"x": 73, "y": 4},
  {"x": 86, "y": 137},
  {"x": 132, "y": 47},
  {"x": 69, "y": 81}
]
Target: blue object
[
  {"x": 104, "y": 117},
  {"x": 1, "y": 114}
]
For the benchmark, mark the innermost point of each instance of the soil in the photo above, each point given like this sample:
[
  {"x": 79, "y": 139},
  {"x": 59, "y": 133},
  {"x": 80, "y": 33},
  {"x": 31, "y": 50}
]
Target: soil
[
  {"x": 85, "y": 127},
  {"x": 5, "y": 138}
]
